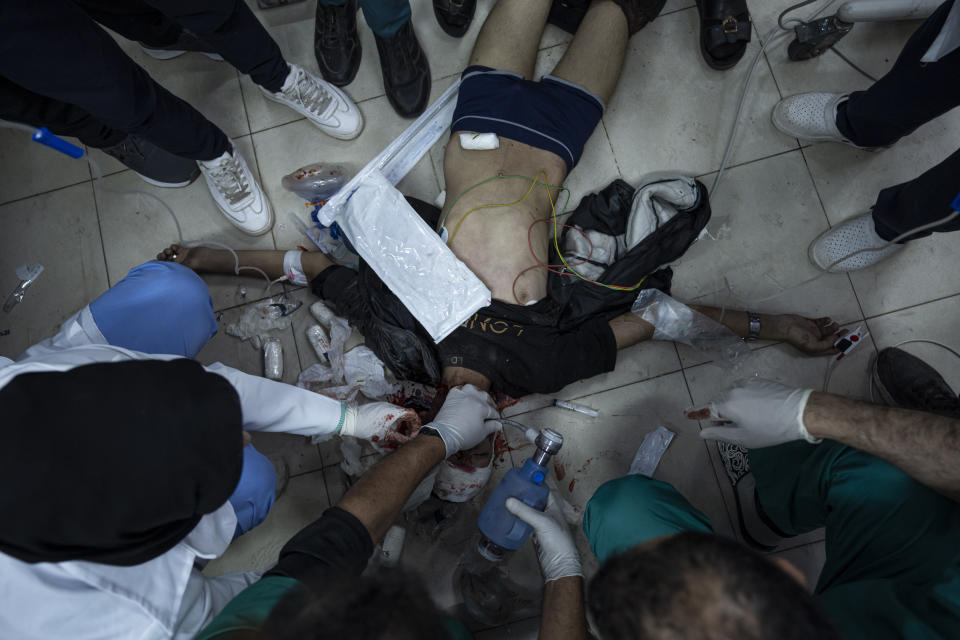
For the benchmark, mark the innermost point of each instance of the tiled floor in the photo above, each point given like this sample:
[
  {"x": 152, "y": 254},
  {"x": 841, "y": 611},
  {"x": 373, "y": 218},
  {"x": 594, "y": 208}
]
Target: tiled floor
[{"x": 670, "y": 112}]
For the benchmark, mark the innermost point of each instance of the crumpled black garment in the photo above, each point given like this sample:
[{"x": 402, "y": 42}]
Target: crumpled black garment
[
  {"x": 389, "y": 330},
  {"x": 608, "y": 212}
]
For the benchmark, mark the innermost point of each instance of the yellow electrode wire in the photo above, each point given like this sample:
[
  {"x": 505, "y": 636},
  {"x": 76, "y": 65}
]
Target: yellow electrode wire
[
  {"x": 506, "y": 204},
  {"x": 554, "y": 215}
]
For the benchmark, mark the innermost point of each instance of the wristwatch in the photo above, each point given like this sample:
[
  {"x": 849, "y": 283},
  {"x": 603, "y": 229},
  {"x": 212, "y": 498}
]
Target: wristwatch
[{"x": 754, "y": 327}]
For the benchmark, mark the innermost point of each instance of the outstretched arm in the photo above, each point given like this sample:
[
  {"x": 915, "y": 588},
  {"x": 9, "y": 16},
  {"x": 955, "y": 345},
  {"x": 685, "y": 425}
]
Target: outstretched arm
[
  {"x": 271, "y": 262},
  {"x": 762, "y": 413},
  {"x": 811, "y": 336}
]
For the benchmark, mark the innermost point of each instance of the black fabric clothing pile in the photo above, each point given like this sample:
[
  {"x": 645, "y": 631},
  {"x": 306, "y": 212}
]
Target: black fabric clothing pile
[
  {"x": 114, "y": 462},
  {"x": 523, "y": 349}
]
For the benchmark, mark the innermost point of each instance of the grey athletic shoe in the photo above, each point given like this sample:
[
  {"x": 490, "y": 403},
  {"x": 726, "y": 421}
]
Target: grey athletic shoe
[
  {"x": 906, "y": 381},
  {"x": 156, "y": 166},
  {"x": 186, "y": 42},
  {"x": 757, "y": 529}
]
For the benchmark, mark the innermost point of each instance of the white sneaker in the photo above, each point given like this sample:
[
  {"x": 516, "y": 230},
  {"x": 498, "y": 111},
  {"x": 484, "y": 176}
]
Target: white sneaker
[
  {"x": 852, "y": 235},
  {"x": 322, "y": 103},
  {"x": 237, "y": 194},
  {"x": 811, "y": 116}
]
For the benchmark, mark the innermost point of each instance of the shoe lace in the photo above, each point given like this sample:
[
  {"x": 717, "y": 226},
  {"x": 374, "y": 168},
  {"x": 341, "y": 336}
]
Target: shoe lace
[
  {"x": 309, "y": 93},
  {"x": 231, "y": 180}
]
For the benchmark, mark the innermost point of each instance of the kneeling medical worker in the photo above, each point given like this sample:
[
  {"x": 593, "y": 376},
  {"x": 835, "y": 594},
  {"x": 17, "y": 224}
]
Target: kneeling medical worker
[{"x": 125, "y": 467}]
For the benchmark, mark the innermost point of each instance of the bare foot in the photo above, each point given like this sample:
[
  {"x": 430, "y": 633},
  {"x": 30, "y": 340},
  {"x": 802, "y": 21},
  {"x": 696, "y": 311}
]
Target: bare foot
[{"x": 178, "y": 254}]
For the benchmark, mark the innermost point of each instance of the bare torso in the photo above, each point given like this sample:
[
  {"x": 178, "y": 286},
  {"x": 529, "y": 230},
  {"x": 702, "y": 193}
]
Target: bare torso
[{"x": 493, "y": 241}]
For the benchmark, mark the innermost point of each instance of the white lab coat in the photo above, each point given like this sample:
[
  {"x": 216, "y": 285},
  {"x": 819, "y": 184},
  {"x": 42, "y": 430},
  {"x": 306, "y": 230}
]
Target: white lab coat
[{"x": 166, "y": 596}]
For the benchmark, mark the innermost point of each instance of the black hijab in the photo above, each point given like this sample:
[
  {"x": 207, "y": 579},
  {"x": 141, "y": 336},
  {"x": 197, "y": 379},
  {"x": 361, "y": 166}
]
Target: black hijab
[{"x": 114, "y": 462}]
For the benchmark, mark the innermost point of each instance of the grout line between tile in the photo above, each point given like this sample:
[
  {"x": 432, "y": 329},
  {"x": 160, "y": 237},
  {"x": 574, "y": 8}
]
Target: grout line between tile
[
  {"x": 103, "y": 250},
  {"x": 41, "y": 193}
]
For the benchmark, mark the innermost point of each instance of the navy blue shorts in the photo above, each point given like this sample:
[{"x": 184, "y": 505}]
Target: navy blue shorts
[{"x": 552, "y": 114}]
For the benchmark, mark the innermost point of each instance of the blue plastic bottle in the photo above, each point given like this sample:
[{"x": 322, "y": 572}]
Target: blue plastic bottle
[{"x": 503, "y": 531}]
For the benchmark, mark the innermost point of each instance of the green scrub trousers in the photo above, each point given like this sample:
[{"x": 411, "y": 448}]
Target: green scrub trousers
[{"x": 893, "y": 545}]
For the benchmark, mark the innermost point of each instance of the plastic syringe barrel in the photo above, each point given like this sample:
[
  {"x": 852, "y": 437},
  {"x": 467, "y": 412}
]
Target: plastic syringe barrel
[{"x": 43, "y": 136}]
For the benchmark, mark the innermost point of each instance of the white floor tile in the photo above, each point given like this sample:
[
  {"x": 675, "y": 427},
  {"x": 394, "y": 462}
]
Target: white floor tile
[
  {"x": 30, "y": 168},
  {"x": 656, "y": 121},
  {"x": 936, "y": 321},
  {"x": 772, "y": 214},
  {"x": 135, "y": 229},
  {"x": 304, "y": 501},
  {"x": 58, "y": 230}
]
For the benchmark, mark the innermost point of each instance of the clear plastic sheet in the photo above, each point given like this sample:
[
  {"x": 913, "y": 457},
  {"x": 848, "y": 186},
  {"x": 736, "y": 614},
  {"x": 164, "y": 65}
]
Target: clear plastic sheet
[
  {"x": 436, "y": 287},
  {"x": 651, "y": 450},
  {"x": 677, "y": 322}
]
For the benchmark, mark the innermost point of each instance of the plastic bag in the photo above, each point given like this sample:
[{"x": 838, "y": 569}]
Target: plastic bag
[
  {"x": 677, "y": 322},
  {"x": 262, "y": 317},
  {"x": 437, "y": 288},
  {"x": 315, "y": 182}
]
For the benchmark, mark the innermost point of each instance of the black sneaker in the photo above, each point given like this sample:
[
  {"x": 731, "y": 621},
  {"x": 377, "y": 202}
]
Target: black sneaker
[
  {"x": 186, "y": 42},
  {"x": 156, "y": 166},
  {"x": 454, "y": 16},
  {"x": 568, "y": 14},
  {"x": 757, "y": 529},
  {"x": 336, "y": 43},
  {"x": 906, "y": 381},
  {"x": 406, "y": 72}
]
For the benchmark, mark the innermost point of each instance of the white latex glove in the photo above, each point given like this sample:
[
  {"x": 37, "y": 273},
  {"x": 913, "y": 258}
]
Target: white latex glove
[
  {"x": 555, "y": 549},
  {"x": 467, "y": 416},
  {"x": 385, "y": 425},
  {"x": 763, "y": 413}
]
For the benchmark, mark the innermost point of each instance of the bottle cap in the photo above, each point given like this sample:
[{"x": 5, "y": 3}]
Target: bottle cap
[{"x": 538, "y": 477}]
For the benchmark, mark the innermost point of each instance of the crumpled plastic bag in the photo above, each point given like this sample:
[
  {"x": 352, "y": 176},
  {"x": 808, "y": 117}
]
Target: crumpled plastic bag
[
  {"x": 261, "y": 317},
  {"x": 677, "y": 322}
]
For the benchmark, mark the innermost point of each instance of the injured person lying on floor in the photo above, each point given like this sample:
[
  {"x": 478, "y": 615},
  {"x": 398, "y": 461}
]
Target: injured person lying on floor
[{"x": 561, "y": 308}]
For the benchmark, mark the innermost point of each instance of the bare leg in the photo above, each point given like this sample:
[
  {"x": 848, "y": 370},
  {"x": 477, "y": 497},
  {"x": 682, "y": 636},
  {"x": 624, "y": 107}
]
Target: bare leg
[
  {"x": 595, "y": 56},
  {"x": 510, "y": 37},
  {"x": 206, "y": 260}
]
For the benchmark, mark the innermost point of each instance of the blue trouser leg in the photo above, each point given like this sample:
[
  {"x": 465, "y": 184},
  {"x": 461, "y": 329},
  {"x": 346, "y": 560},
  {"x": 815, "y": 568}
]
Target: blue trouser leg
[
  {"x": 159, "y": 307},
  {"x": 256, "y": 491},
  {"x": 384, "y": 17}
]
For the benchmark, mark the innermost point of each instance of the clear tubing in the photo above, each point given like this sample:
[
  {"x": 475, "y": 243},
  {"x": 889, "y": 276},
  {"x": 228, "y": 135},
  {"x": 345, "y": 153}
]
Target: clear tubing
[{"x": 237, "y": 267}]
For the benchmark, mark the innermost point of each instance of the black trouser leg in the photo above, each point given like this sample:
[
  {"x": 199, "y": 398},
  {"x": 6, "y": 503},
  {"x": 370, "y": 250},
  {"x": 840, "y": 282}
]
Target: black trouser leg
[
  {"x": 910, "y": 94},
  {"x": 228, "y": 26},
  {"x": 54, "y": 49},
  {"x": 134, "y": 20},
  {"x": 925, "y": 199},
  {"x": 22, "y": 105}
]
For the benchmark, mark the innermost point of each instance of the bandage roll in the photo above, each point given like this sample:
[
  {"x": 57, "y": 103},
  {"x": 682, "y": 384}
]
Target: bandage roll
[
  {"x": 319, "y": 341},
  {"x": 322, "y": 313},
  {"x": 272, "y": 359}
]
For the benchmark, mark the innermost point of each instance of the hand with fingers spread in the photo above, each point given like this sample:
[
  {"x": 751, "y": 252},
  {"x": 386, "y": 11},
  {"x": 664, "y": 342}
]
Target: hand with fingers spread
[
  {"x": 558, "y": 554},
  {"x": 812, "y": 336},
  {"x": 385, "y": 425},
  {"x": 760, "y": 413},
  {"x": 467, "y": 416}
]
